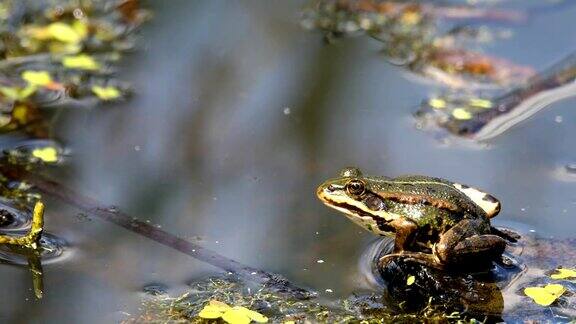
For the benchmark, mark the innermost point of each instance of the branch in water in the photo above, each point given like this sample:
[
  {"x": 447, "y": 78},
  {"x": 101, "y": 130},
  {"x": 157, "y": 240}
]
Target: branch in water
[{"x": 111, "y": 214}]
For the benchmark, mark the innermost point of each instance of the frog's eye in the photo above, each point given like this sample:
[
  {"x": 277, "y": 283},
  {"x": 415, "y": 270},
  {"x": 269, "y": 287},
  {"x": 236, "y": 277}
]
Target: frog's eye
[{"x": 355, "y": 187}]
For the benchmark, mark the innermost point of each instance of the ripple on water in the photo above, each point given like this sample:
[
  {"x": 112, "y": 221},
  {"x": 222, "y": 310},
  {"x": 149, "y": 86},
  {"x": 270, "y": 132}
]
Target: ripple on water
[
  {"x": 502, "y": 273},
  {"x": 13, "y": 219},
  {"x": 17, "y": 221},
  {"x": 52, "y": 249}
]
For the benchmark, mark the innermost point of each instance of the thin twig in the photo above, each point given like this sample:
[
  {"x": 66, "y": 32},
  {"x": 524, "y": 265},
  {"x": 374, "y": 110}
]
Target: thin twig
[{"x": 111, "y": 214}]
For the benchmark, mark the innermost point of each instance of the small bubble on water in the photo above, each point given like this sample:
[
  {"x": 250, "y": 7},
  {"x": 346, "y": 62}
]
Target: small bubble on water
[
  {"x": 137, "y": 148},
  {"x": 329, "y": 290},
  {"x": 78, "y": 13},
  {"x": 320, "y": 261},
  {"x": 287, "y": 111},
  {"x": 558, "y": 119},
  {"x": 532, "y": 231}
]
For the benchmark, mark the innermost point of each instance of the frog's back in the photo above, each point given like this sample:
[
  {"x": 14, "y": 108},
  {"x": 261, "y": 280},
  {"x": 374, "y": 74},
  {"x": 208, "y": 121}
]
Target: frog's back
[{"x": 472, "y": 199}]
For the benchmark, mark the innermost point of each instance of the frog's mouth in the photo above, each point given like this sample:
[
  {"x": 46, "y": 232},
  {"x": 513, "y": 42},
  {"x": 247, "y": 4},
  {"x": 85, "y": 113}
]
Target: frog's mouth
[{"x": 372, "y": 223}]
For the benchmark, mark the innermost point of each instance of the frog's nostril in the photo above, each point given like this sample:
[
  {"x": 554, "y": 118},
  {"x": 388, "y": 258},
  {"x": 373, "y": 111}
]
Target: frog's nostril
[{"x": 331, "y": 188}]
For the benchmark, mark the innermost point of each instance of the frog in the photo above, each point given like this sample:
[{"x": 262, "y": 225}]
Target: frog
[{"x": 435, "y": 222}]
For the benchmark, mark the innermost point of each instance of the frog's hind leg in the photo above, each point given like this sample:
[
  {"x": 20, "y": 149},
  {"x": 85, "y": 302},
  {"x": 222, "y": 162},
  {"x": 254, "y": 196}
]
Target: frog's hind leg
[
  {"x": 461, "y": 245},
  {"x": 423, "y": 258}
]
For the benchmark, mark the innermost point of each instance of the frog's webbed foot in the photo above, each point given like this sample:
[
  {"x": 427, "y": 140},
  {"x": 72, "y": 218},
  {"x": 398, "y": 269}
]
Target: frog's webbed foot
[{"x": 418, "y": 257}]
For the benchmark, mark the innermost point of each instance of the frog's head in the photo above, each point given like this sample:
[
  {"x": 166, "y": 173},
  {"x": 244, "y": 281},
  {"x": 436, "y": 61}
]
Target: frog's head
[{"x": 352, "y": 194}]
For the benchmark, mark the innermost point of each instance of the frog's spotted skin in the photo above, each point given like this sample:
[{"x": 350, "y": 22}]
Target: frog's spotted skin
[{"x": 485, "y": 201}]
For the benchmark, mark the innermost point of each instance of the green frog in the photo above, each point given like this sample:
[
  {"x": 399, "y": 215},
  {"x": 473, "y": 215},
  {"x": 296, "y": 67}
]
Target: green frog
[{"x": 436, "y": 222}]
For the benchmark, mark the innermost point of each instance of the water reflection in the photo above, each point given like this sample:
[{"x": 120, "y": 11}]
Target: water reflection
[{"x": 206, "y": 150}]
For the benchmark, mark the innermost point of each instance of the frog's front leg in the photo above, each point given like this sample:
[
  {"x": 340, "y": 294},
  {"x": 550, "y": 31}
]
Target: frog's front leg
[
  {"x": 463, "y": 244},
  {"x": 405, "y": 231}
]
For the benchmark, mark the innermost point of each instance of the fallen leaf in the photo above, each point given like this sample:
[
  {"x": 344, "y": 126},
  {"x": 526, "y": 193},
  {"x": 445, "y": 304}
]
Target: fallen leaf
[
  {"x": 233, "y": 315},
  {"x": 564, "y": 274},
  {"x": 437, "y": 103},
  {"x": 410, "y": 280},
  {"x": 236, "y": 316},
  {"x": 106, "y": 93},
  {"x": 82, "y": 62},
  {"x": 46, "y": 154},
  {"x": 64, "y": 33},
  {"x": 545, "y": 296},
  {"x": 461, "y": 114},
  {"x": 481, "y": 103},
  {"x": 39, "y": 78},
  {"x": 209, "y": 312},
  {"x": 15, "y": 93}
]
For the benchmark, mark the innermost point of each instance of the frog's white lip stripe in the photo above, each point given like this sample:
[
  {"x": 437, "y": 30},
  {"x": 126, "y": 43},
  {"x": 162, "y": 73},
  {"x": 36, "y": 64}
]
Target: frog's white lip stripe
[{"x": 488, "y": 203}]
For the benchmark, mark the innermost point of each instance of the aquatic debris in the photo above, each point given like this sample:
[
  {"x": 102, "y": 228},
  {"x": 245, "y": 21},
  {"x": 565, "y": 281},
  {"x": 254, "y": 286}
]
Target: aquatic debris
[
  {"x": 81, "y": 62},
  {"x": 30, "y": 240},
  {"x": 34, "y": 152},
  {"x": 233, "y": 315},
  {"x": 546, "y": 295},
  {"x": 412, "y": 35},
  {"x": 563, "y": 273},
  {"x": 46, "y": 154},
  {"x": 54, "y": 54},
  {"x": 106, "y": 93},
  {"x": 410, "y": 280},
  {"x": 489, "y": 116},
  {"x": 275, "y": 307}
]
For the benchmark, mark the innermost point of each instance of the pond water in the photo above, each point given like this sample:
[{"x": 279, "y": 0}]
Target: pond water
[{"x": 238, "y": 114}]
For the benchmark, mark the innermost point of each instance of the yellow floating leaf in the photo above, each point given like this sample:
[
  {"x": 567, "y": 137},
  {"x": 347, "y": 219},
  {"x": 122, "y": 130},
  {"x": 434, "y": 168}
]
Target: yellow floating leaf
[
  {"x": 39, "y": 78},
  {"x": 481, "y": 103},
  {"x": 20, "y": 113},
  {"x": 410, "y": 280},
  {"x": 81, "y": 28},
  {"x": 82, "y": 61},
  {"x": 46, "y": 154},
  {"x": 10, "y": 92},
  {"x": 437, "y": 103},
  {"x": 545, "y": 296},
  {"x": 27, "y": 91},
  {"x": 64, "y": 33},
  {"x": 15, "y": 93},
  {"x": 221, "y": 306},
  {"x": 64, "y": 48},
  {"x": 236, "y": 315},
  {"x": 209, "y": 313},
  {"x": 564, "y": 274},
  {"x": 106, "y": 93},
  {"x": 461, "y": 114}
]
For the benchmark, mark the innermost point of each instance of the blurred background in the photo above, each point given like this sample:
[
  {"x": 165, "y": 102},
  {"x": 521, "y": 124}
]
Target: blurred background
[{"x": 238, "y": 115}]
